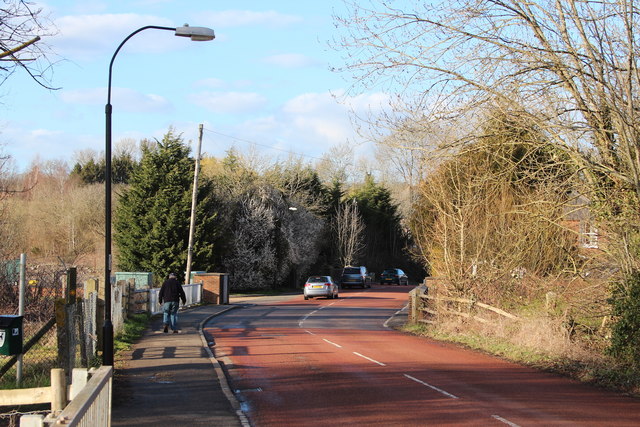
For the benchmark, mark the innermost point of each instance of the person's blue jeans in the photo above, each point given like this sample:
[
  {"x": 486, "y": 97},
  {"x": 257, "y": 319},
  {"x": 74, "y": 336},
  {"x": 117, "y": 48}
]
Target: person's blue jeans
[{"x": 170, "y": 314}]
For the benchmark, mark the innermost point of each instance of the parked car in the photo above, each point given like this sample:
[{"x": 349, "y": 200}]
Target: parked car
[
  {"x": 320, "y": 286},
  {"x": 394, "y": 276},
  {"x": 355, "y": 276}
]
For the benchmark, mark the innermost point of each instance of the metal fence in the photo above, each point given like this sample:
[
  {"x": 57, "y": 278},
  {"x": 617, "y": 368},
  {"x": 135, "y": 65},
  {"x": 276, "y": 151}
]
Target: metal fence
[
  {"x": 193, "y": 292},
  {"x": 41, "y": 353},
  {"x": 37, "y": 363},
  {"x": 80, "y": 330},
  {"x": 91, "y": 407}
]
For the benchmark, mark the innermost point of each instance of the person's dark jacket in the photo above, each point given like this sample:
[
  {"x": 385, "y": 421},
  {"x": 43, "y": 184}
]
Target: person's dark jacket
[{"x": 171, "y": 290}]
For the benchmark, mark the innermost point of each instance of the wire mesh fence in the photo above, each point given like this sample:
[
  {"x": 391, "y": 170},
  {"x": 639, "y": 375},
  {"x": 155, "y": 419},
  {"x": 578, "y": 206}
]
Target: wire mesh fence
[
  {"x": 41, "y": 352},
  {"x": 37, "y": 360},
  {"x": 37, "y": 363}
]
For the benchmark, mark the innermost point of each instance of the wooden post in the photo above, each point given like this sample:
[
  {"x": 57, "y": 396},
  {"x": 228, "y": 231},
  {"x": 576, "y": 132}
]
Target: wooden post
[
  {"x": 415, "y": 305},
  {"x": 71, "y": 310},
  {"x": 82, "y": 331},
  {"x": 61, "y": 332},
  {"x": 72, "y": 285},
  {"x": 95, "y": 286},
  {"x": 66, "y": 324},
  {"x": 131, "y": 306},
  {"x": 58, "y": 390}
]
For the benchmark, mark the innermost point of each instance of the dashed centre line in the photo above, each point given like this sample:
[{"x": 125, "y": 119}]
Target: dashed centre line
[
  {"x": 369, "y": 359},
  {"x": 332, "y": 343},
  {"x": 504, "y": 420},
  {"x": 439, "y": 390}
]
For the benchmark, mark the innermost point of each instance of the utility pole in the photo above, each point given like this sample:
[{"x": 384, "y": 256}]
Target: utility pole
[
  {"x": 21, "y": 296},
  {"x": 194, "y": 197}
]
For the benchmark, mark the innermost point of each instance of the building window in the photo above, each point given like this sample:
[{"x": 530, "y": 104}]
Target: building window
[{"x": 588, "y": 235}]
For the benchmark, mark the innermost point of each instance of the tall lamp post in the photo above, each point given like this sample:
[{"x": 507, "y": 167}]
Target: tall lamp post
[{"x": 195, "y": 34}]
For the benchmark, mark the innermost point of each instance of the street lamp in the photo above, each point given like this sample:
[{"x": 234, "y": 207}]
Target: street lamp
[{"x": 195, "y": 34}]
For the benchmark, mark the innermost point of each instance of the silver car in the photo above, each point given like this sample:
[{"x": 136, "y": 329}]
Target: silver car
[{"x": 320, "y": 286}]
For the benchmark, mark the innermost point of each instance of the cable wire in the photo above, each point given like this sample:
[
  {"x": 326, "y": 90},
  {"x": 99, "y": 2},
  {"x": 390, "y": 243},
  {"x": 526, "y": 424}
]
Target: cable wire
[{"x": 261, "y": 145}]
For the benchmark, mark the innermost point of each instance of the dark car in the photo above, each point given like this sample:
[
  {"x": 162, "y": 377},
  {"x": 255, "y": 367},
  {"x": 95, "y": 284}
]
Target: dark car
[
  {"x": 394, "y": 276},
  {"x": 355, "y": 276}
]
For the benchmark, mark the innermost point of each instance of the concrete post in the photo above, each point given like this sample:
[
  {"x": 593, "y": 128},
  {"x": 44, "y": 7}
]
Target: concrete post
[{"x": 58, "y": 390}]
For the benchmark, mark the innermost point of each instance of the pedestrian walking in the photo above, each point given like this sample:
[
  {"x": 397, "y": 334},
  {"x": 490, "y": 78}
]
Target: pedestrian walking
[{"x": 171, "y": 293}]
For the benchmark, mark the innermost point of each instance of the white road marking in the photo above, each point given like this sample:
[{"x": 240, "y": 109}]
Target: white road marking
[
  {"x": 306, "y": 317},
  {"x": 504, "y": 420},
  {"x": 386, "y": 323},
  {"x": 309, "y": 332},
  {"x": 439, "y": 390},
  {"x": 311, "y": 314},
  {"x": 369, "y": 359},
  {"x": 332, "y": 343}
]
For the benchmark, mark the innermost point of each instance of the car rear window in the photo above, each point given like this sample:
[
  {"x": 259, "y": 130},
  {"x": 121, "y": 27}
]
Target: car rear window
[
  {"x": 390, "y": 271},
  {"x": 351, "y": 271},
  {"x": 316, "y": 279}
]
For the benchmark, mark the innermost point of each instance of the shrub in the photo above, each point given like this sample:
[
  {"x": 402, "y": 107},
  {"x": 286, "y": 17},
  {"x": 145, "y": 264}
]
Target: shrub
[{"x": 625, "y": 337}]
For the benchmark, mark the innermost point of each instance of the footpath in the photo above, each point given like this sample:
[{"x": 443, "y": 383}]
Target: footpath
[{"x": 174, "y": 379}]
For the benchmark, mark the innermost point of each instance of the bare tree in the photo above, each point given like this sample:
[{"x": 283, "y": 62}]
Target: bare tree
[
  {"x": 349, "y": 228},
  {"x": 252, "y": 260},
  {"x": 22, "y": 25},
  {"x": 568, "y": 67},
  {"x": 57, "y": 218},
  {"x": 337, "y": 165}
]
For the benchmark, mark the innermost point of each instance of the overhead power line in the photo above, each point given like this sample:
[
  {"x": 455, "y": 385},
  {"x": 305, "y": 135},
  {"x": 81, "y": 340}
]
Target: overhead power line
[{"x": 261, "y": 145}]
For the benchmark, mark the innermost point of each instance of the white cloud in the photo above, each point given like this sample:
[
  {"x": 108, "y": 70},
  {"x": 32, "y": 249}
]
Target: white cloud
[
  {"x": 215, "y": 83},
  {"x": 241, "y": 18},
  {"x": 126, "y": 99},
  {"x": 291, "y": 60},
  {"x": 211, "y": 83},
  {"x": 320, "y": 114},
  {"x": 44, "y": 133},
  {"x": 25, "y": 144},
  {"x": 84, "y": 96},
  {"x": 230, "y": 102},
  {"x": 83, "y": 36},
  {"x": 308, "y": 124}
]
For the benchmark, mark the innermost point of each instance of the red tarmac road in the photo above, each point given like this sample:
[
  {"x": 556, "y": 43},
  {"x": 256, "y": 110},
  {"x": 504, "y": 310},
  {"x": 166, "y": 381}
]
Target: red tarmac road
[{"x": 332, "y": 362}]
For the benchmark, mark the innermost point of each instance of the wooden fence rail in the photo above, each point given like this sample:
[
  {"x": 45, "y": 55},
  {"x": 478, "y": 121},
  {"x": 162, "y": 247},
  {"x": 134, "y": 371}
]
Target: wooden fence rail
[
  {"x": 86, "y": 401},
  {"x": 426, "y": 308},
  {"x": 54, "y": 394}
]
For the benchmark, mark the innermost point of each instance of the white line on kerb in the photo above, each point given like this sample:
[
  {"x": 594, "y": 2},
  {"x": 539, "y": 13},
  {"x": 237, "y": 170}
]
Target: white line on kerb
[
  {"x": 305, "y": 318},
  {"x": 386, "y": 323},
  {"x": 439, "y": 390},
  {"x": 332, "y": 343},
  {"x": 369, "y": 359},
  {"x": 503, "y": 420}
]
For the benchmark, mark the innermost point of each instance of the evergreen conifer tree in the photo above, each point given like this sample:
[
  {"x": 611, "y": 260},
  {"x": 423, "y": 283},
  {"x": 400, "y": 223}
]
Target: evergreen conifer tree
[
  {"x": 153, "y": 213},
  {"x": 385, "y": 240}
]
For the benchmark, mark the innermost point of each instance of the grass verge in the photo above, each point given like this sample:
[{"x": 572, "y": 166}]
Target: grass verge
[
  {"x": 134, "y": 327},
  {"x": 599, "y": 371}
]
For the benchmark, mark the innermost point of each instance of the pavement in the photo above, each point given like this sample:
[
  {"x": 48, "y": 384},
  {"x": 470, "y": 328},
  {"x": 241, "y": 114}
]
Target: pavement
[{"x": 174, "y": 379}]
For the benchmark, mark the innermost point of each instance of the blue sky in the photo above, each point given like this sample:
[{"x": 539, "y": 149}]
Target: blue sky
[{"x": 265, "y": 78}]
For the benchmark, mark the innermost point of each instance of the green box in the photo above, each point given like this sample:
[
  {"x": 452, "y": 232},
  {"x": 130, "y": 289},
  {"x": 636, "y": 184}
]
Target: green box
[
  {"x": 10, "y": 335},
  {"x": 144, "y": 280}
]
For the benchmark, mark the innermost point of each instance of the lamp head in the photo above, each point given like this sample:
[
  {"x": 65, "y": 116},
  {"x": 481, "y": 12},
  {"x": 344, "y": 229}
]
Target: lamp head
[{"x": 197, "y": 34}]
